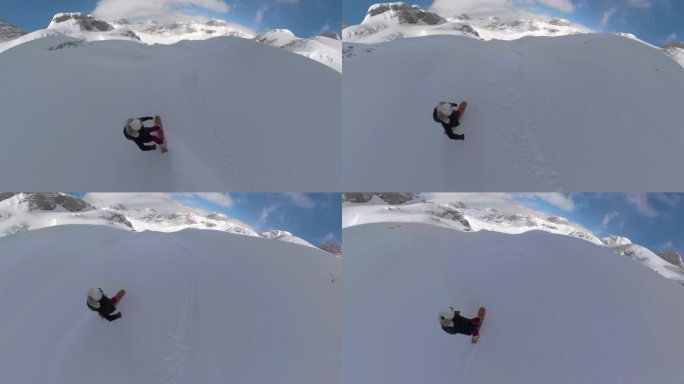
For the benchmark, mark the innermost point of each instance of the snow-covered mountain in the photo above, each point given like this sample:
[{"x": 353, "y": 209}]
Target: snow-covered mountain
[
  {"x": 229, "y": 106},
  {"x": 29, "y": 211},
  {"x": 558, "y": 309},
  {"x": 9, "y": 31},
  {"x": 461, "y": 217},
  {"x": 522, "y": 129},
  {"x": 325, "y": 50},
  {"x": 334, "y": 248},
  {"x": 676, "y": 50},
  {"x": 390, "y": 21},
  {"x": 201, "y": 307},
  {"x": 154, "y": 32}
]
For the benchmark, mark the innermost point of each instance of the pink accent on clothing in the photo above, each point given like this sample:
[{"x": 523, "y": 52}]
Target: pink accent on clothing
[{"x": 114, "y": 300}]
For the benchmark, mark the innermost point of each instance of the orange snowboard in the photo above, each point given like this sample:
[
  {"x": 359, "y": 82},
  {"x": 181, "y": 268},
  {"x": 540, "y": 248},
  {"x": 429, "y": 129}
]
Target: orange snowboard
[
  {"x": 481, "y": 314},
  {"x": 160, "y": 134}
]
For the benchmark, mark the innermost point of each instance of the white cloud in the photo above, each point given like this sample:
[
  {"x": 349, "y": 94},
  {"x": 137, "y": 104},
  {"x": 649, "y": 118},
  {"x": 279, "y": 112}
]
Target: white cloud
[
  {"x": 166, "y": 202},
  {"x": 672, "y": 37},
  {"x": 221, "y": 199},
  {"x": 642, "y": 204},
  {"x": 161, "y": 10},
  {"x": 638, "y": 3},
  {"x": 667, "y": 246},
  {"x": 605, "y": 19},
  {"x": 265, "y": 213},
  {"x": 260, "y": 14},
  {"x": 300, "y": 200},
  {"x": 608, "y": 218},
  {"x": 266, "y": 7},
  {"x": 559, "y": 200},
  {"x": 324, "y": 29},
  {"x": 500, "y": 8},
  {"x": 328, "y": 238}
]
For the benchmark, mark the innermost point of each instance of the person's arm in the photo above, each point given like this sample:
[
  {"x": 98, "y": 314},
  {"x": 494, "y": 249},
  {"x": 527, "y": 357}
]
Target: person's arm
[
  {"x": 144, "y": 147},
  {"x": 450, "y": 133}
]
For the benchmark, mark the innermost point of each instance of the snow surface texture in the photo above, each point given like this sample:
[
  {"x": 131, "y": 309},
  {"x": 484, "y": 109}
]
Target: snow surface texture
[
  {"x": 581, "y": 112},
  {"x": 21, "y": 212},
  {"x": 201, "y": 307},
  {"x": 325, "y": 50},
  {"x": 239, "y": 115},
  {"x": 458, "y": 216},
  {"x": 558, "y": 310}
]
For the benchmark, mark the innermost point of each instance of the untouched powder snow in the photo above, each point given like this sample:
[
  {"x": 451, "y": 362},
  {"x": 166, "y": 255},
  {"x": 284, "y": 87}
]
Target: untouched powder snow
[
  {"x": 558, "y": 310},
  {"x": 239, "y": 115},
  {"x": 582, "y": 112},
  {"x": 201, "y": 307},
  {"x": 461, "y": 217}
]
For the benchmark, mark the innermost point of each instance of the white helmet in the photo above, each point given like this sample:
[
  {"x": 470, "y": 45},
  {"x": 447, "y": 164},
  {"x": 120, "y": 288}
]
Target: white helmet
[
  {"x": 446, "y": 316},
  {"x": 444, "y": 111},
  {"x": 134, "y": 124},
  {"x": 95, "y": 294}
]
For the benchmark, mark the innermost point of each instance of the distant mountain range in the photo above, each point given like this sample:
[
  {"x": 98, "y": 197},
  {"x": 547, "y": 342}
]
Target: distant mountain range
[
  {"x": 459, "y": 216},
  {"x": 26, "y": 211},
  {"x": 325, "y": 49}
]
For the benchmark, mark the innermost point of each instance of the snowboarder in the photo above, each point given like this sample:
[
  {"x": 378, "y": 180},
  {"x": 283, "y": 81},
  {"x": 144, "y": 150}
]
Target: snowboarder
[
  {"x": 135, "y": 130},
  {"x": 449, "y": 114},
  {"x": 100, "y": 303},
  {"x": 452, "y": 322}
]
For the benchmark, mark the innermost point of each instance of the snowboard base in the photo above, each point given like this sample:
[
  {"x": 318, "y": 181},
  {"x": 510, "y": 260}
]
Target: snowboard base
[
  {"x": 119, "y": 295},
  {"x": 461, "y": 108},
  {"x": 162, "y": 147},
  {"x": 481, "y": 314}
]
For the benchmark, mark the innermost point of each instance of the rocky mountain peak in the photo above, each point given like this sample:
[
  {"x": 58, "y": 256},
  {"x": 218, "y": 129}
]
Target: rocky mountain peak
[
  {"x": 405, "y": 13},
  {"x": 331, "y": 35},
  {"x": 672, "y": 257},
  {"x": 393, "y": 198},
  {"x": 9, "y": 31},
  {"x": 331, "y": 247},
  {"x": 49, "y": 201},
  {"x": 83, "y": 21}
]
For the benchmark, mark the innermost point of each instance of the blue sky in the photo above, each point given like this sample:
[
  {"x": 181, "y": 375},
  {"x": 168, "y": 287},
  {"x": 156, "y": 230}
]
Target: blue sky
[
  {"x": 655, "y": 21},
  {"x": 315, "y": 217},
  {"x": 654, "y": 220},
  {"x": 304, "y": 17}
]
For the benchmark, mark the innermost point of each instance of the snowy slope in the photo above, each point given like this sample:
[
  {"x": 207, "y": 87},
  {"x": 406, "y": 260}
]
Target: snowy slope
[
  {"x": 323, "y": 49},
  {"x": 230, "y": 107},
  {"x": 201, "y": 307},
  {"x": 558, "y": 310},
  {"x": 463, "y": 218},
  {"x": 544, "y": 114},
  {"x": 676, "y": 51},
  {"x": 30, "y": 211},
  {"x": 391, "y": 21}
]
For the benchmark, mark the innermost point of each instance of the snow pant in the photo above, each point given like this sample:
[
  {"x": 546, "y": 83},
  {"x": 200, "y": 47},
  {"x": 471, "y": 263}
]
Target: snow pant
[
  {"x": 145, "y": 136},
  {"x": 464, "y": 326}
]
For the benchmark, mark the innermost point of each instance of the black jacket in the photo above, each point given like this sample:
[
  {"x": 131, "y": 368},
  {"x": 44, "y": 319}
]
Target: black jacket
[
  {"x": 106, "y": 307},
  {"x": 453, "y": 123},
  {"x": 461, "y": 325},
  {"x": 144, "y": 136}
]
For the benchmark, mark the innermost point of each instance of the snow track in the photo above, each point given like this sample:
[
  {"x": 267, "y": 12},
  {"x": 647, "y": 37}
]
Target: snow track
[
  {"x": 583, "y": 112},
  {"x": 239, "y": 115},
  {"x": 559, "y": 309},
  {"x": 201, "y": 307}
]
